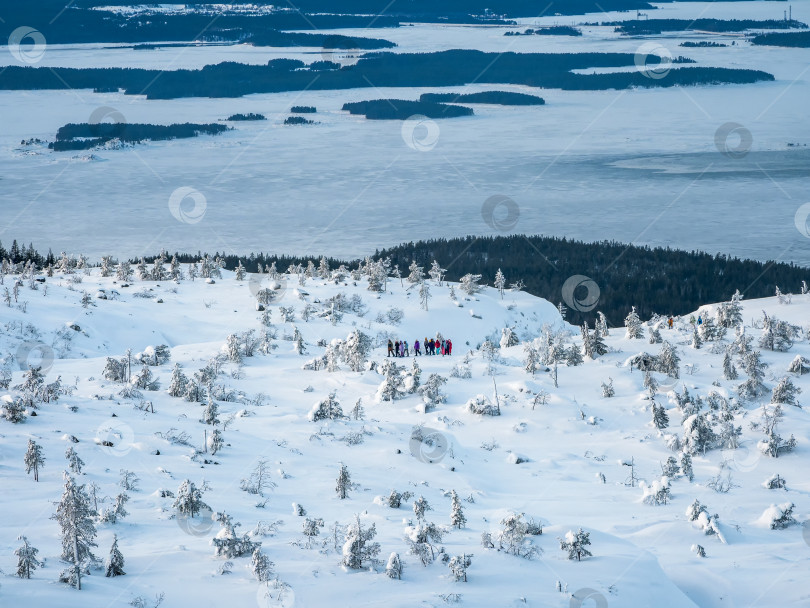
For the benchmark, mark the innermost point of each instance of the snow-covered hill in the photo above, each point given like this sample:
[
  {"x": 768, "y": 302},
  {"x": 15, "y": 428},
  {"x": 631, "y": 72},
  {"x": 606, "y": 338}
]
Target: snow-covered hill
[{"x": 558, "y": 456}]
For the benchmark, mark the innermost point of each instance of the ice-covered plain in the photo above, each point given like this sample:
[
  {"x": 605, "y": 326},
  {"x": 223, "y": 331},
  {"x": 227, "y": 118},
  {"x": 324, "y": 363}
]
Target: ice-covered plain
[{"x": 639, "y": 165}]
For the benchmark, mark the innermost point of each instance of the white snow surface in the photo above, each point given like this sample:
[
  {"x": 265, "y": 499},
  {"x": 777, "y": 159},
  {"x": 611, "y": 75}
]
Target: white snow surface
[{"x": 642, "y": 554}]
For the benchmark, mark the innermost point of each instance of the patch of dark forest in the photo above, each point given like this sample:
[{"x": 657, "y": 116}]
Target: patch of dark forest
[
  {"x": 788, "y": 39},
  {"x": 446, "y": 68},
  {"x": 647, "y": 27},
  {"x": 84, "y": 136}
]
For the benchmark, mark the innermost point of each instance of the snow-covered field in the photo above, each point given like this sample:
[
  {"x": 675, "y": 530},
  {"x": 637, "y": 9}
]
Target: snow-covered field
[
  {"x": 643, "y": 555},
  {"x": 637, "y": 165}
]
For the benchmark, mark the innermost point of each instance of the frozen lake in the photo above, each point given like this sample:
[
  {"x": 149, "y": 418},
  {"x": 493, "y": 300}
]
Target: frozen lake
[{"x": 638, "y": 166}]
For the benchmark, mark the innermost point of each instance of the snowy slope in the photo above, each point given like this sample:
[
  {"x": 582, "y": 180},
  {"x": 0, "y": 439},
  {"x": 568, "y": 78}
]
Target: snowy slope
[{"x": 641, "y": 553}]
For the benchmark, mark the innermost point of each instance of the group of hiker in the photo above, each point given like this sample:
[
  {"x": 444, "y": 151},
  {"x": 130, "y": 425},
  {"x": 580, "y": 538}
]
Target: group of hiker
[
  {"x": 692, "y": 320},
  {"x": 399, "y": 348}
]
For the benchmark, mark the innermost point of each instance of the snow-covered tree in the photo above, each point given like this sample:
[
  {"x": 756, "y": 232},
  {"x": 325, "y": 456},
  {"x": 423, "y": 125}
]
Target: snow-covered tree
[
  {"x": 326, "y": 409},
  {"x": 392, "y": 386},
  {"x": 457, "y": 517},
  {"x": 709, "y": 331},
  {"x": 75, "y": 463},
  {"x": 729, "y": 314},
  {"x": 215, "y": 442},
  {"x": 228, "y": 543},
  {"x": 344, "y": 482},
  {"x": 777, "y": 335},
  {"x": 261, "y": 566},
  {"x": 508, "y": 338},
  {"x": 424, "y": 295},
  {"x": 660, "y": 416},
  {"x": 686, "y": 466},
  {"x": 312, "y": 528},
  {"x": 117, "y": 511},
  {"x": 668, "y": 361},
  {"x": 601, "y": 323},
  {"x": 531, "y": 358},
  {"x": 458, "y": 565},
  {"x": 421, "y": 507},
  {"x": 697, "y": 341},
  {"x": 800, "y": 365},
  {"x": 635, "y": 330},
  {"x": 658, "y": 492},
  {"x": 469, "y": 284},
  {"x": 575, "y": 544},
  {"x": 774, "y": 444},
  {"x": 27, "y": 560},
  {"x": 114, "y": 566},
  {"x": 500, "y": 282},
  {"x": 239, "y": 273},
  {"x": 436, "y": 272},
  {"x": 78, "y": 532},
  {"x": 188, "y": 500},
  {"x": 512, "y": 537},
  {"x": 416, "y": 274},
  {"x": 394, "y": 566},
  {"x": 354, "y": 350},
  {"x": 698, "y": 436},
  {"x": 785, "y": 392},
  {"x": 33, "y": 459},
  {"x": 359, "y": 548},
  {"x": 607, "y": 389},
  {"x": 729, "y": 369},
  {"x": 145, "y": 380},
  {"x": 259, "y": 479},
  {"x": 178, "y": 382},
  {"x": 431, "y": 391},
  {"x": 752, "y": 364},
  {"x": 210, "y": 412}
]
